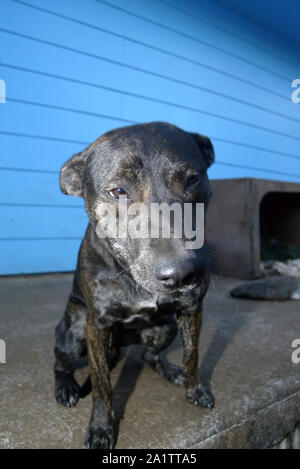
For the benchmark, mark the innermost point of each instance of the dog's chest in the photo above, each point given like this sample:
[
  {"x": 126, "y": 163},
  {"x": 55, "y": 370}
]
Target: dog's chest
[
  {"x": 136, "y": 313},
  {"x": 142, "y": 311}
]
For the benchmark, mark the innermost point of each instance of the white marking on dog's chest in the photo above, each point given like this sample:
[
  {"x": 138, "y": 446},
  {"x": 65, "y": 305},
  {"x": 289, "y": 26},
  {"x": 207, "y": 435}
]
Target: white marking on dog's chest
[
  {"x": 139, "y": 311},
  {"x": 134, "y": 317},
  {"x": 148, "y": 304}
]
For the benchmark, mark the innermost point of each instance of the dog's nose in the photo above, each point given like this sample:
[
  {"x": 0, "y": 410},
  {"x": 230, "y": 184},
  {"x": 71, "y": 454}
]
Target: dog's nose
[{"x": 176, "y": 273}]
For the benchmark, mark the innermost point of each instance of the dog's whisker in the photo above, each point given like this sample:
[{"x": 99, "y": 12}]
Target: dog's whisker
[
  {"x": 137, "y": 290},
  {"x": 123, "y": 271}
]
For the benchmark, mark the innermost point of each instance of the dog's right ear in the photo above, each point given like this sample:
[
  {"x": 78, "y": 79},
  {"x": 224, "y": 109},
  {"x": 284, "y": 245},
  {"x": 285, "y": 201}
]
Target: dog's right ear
[
  {"x": 205, "y": 145},
  {"x": 71, "y": 174}
]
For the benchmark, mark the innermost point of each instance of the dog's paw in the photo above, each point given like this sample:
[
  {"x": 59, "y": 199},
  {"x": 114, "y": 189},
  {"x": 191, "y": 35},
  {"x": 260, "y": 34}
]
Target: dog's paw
[
  {"x": 175, "y": 375},
  {"x": 100, "y": 438},
  {"x": 197, "y": 395},
  {"x": 67, "y": 391}
]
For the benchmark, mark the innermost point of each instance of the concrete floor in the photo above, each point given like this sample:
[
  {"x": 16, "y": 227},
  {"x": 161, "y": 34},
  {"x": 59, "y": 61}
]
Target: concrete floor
[{"x": 245, "y": 359}]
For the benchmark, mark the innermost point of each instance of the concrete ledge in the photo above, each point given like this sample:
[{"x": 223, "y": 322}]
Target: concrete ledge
[
  {"x": 245, "y": 358},
  {"x": 261, "y": 430}
]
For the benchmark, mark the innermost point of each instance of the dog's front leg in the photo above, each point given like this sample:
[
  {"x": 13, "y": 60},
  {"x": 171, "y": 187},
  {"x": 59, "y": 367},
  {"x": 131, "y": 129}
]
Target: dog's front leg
[
  {"x": 101, "y": 432},
  {"x": 189, "y": 325}
]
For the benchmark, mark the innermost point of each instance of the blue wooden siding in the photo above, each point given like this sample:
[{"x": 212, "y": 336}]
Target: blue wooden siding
[{"x": 77, "y": 68}]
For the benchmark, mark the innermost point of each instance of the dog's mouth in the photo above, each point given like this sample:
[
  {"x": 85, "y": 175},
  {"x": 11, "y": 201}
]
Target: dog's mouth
[
  {"x": 179, "y": 276},
  {"x": 183, "y": 288},
  {"x": 154, "y": 287}
]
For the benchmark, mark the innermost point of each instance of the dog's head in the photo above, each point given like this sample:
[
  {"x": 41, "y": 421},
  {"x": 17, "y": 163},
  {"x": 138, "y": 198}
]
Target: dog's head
[{"x": 147, "y": 164}]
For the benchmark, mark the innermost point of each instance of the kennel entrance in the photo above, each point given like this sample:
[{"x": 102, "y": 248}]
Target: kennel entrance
[
  {"x": 280, "y": 226},
  {"x": 246, "y": 217}
]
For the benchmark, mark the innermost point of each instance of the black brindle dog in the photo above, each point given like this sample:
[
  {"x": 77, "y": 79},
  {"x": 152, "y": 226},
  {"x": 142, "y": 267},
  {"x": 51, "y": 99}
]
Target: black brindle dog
[{"x": 129, "y": 291}]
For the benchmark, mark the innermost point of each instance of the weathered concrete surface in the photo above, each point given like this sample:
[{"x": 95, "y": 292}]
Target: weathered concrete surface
[{"x": 245, "y": 359}]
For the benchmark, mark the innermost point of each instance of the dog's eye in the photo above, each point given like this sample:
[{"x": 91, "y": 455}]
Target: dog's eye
[
  {"x": 117, "y": 193},
  {"x": 192, "y": 180}
]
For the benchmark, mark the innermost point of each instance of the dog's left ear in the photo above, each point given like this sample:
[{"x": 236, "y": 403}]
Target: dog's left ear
[
  {"x": 206, "y": 147},
  {"x": 71, "y": 174}
]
